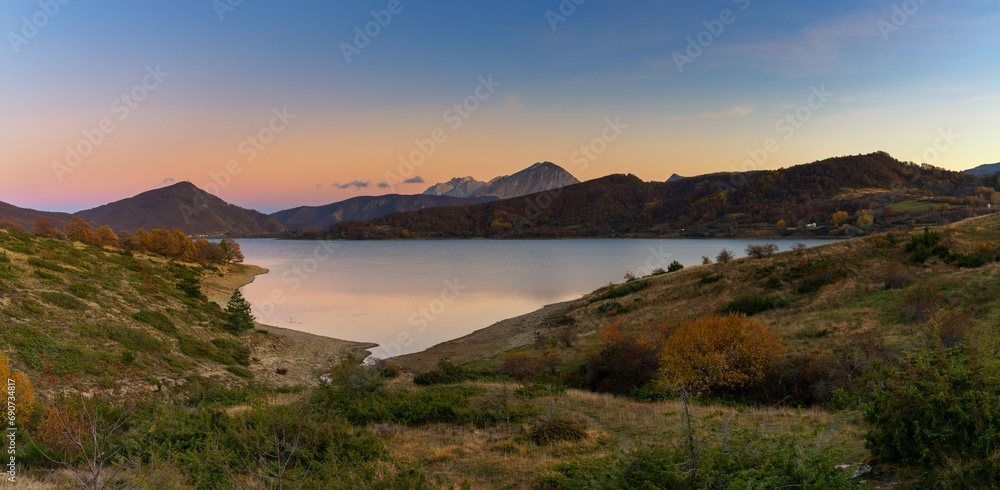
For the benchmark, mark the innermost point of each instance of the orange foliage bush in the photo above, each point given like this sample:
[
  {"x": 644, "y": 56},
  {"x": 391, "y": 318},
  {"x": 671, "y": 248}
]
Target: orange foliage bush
[
  {"x": 719, "y": 352},
  {"x": 23, "y": 392}
]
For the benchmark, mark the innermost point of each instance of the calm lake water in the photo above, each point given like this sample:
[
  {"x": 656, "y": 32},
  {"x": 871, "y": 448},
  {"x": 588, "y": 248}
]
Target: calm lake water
[{"x": 409, "y": 295}]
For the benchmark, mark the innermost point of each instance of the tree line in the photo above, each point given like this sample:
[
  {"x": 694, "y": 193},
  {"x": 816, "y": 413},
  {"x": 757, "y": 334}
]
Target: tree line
[{"x": 173, "y": 244}]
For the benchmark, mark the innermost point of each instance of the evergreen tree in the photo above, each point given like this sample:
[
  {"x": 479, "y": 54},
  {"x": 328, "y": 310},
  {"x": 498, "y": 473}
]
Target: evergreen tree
[{"x": 238, "y": 316}]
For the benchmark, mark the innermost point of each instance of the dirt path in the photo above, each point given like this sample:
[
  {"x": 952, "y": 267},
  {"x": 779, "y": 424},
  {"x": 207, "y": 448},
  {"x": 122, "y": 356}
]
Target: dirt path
[{"x": 282, "y": 356}]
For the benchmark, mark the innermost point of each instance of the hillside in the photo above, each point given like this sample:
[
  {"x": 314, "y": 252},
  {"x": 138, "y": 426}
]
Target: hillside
[
  {"x": 519, "y": 410},
  {"x": 757, "y": 203},
  {"x": 365, "y": 208},
  {"x": 985, "y": 169},
  {"x": 84, "y": 318},
  {"x": 25, "y": 218},
  {"x": 182, "y": 206}
]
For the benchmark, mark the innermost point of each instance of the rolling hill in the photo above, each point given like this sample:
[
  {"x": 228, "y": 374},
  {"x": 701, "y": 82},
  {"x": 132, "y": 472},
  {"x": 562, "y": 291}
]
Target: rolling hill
[
  {"x": 25, "y": 218},
  {"x": 183, "y": 206},
  {"x": 985, "y": 169},
  {"x": 721, "y": 204},
  {"x": 364, "y": 208}
]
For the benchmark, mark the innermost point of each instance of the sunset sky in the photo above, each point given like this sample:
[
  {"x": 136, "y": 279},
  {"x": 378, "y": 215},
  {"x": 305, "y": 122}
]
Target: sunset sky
[{"x": 175, "y": 90}]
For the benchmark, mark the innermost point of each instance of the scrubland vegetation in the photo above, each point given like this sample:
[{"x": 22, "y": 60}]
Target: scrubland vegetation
[{"x": 867, "y": 363}]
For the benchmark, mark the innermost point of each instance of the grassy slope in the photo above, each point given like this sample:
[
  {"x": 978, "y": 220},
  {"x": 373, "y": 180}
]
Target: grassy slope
[
  {"x": 498, "y": 456},
  {"x": 73, "y": 317},
  {"x": 817, "y": 321}
]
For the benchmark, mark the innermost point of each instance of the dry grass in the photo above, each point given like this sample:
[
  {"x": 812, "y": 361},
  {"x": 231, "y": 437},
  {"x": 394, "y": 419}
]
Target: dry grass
[{"x": 502, "y": 457}]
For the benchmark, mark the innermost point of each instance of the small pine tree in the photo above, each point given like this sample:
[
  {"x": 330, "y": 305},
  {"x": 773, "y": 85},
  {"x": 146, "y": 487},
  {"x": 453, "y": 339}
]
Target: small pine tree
[{"x": 238, "y": 316}]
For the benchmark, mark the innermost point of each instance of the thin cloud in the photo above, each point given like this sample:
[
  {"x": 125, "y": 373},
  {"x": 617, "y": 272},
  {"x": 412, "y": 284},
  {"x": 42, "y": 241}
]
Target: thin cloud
[
  {"x": 357, "y": 184},
  {"x": 168, "y": 181},
  {"x": 413, "y": 180},
  {"x": 383, "y": 185}
]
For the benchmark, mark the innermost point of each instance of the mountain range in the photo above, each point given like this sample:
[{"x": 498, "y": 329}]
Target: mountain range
[
  {"x": 459, "y": 191},
  {"x": 721, "y": 204},
  {"x": 364, "y": 208},
  {"x": 985, "y": 169},
  {"x": 545, "y": 200},
  {"x": 542, "y": 176}
]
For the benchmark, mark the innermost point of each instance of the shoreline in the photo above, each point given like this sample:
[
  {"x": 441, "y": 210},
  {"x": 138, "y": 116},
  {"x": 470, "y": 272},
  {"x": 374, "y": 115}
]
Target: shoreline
[{"x": 301, "y": 356}]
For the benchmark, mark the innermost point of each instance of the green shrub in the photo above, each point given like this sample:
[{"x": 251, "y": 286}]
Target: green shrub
[
  {"x": 709, "y": 278},
  {"x": 240, "y": 371},
  {"x": 619, "y": 290},
  {"x": 753, "y": 304},
  {"x": 747, "y": 460},
  {"x": 48, "y": 276},
  {"x": 45, "y": 264},
  {"x": 83, "y": 290},
  {"x": 941, "y": 406},
  {"x": 234, "y": 350},
  {"x": 675, "y": 266},
  {"x": 156, "y": 320},
  {"x": 537, "y": 390},
  {"x": 130, "y": 338},
  {"x": 612, "y": 308},
  {"x": 62, "y": 300}
]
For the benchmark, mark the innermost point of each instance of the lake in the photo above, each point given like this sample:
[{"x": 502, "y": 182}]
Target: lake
[{"x": 409, "y": 295}]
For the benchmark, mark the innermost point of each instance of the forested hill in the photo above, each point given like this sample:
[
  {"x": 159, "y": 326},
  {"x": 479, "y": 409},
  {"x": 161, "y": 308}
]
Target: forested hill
[
  {"x": 182, "y": 206},
  {"x": 866, "y": 192}
]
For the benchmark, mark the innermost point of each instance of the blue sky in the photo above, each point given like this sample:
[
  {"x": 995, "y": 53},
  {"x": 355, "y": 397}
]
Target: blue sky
[{"x": 919, "y": 80}]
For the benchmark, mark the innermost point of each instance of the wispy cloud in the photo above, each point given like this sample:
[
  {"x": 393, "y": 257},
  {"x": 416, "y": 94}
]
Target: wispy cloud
[
  {"x": 414, "y": 180},
  {"x": 357, "y": 184},
  {"x": 168, "y": 181},
  {"x": 735, "y": 111},
  {"x": 384, "y": 185}
]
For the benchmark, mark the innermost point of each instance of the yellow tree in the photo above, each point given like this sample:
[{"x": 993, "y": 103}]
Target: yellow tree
[
  {"x": 44, "y": 227},
  {"x": 866, "y": 219},
  {"x": 79, "y": 230},
  {"x": 718, "y": 352},
  {"x": 106, "y": 237},
  {"x": 23, "y": 391},
  {"x": 839, "y": 218}
]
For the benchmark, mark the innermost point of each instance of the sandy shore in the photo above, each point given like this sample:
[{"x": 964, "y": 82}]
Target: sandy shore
[{"x": 301, "y": 356}]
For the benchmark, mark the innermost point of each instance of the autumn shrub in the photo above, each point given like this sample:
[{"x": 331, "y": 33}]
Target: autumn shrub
[
  {"x": 919, "y": 303},
  {"x": 549, "y": 430},
  {"x": 761, "y": 250},
  {"x": 895, "y": 275},
  {"x": 623, "y": 363},
  {"x": 719, "y": 352}
]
